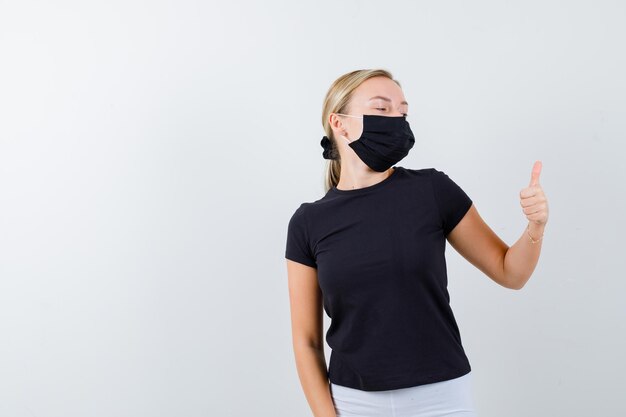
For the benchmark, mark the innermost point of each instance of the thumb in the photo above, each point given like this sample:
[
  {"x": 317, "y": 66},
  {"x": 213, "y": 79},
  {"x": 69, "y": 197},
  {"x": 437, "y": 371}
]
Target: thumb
[{"x": 534, "y": 176}]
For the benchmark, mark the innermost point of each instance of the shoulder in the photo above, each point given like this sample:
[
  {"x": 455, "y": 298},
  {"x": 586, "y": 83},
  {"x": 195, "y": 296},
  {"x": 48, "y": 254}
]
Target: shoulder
[
  {"x": 438, "y": 180},
  {"x": 430, "y": 173},
  {"x": 299, "y": 213},
  {"x": 306, "y": 212},
  {"x": 421, "y": 174},
  {"x": 313, "y": 209}
]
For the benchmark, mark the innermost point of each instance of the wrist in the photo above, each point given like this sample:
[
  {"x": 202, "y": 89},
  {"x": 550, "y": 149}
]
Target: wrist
[
  {"x": 535, "y": 231},
  {"x": 535, "y": 227}
]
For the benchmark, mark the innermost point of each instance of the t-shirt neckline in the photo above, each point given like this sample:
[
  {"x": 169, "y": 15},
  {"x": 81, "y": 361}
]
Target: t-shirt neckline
[{"x": 369, "y": 188}]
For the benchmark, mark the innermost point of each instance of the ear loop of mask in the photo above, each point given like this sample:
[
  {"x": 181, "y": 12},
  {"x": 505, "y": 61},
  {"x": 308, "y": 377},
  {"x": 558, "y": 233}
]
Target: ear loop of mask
[{"x": 349, "y": 115}]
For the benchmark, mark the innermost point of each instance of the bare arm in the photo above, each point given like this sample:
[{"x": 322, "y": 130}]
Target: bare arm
[
  {"x": 305, "y": 301},
  {"x": 477, "y": 243},
  {"x": 521, "y": 258},
  {"x": 512, "y": 266}
]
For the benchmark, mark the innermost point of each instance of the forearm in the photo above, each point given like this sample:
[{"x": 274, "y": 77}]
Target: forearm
[
  {"x": 521, "y": 259},
  {"x": 311, "y": 366}
]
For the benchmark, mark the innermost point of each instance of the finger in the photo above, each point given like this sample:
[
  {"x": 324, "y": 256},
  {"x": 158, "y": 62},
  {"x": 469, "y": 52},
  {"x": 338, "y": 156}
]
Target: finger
[
  {"x": 528, "y": 192},
  {"x": 534, "y": 209},
  {"x": 534, "y": 176},
  {"x": 527, "y": 202}
]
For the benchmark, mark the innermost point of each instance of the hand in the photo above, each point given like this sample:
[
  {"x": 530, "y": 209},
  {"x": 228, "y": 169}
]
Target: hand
[{"x": 532, "y": 199}]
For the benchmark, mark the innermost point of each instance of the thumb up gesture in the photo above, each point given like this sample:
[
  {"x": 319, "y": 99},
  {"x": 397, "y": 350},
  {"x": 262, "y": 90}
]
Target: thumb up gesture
[{"x": 532, "y": 199}]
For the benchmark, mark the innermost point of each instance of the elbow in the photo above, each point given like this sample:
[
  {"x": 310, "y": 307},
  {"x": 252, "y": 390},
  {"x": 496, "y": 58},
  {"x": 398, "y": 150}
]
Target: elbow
[
  {"x": 517, "y": 287},
  {"x": 509, "y": 280},
  {"x": 512, "y": 282},
  {"x": 308, "y": 343},
  {"x": 516, "y": 283}
]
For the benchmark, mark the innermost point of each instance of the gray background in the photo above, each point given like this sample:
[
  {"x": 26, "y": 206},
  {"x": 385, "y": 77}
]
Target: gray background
[{"x": 151, "y": 154}]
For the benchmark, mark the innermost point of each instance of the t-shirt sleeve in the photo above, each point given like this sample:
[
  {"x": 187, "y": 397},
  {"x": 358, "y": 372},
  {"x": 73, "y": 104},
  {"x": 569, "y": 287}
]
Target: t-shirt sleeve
[
  {"x": 452, "y": 201},
  {"x": 298, "y": 246}
]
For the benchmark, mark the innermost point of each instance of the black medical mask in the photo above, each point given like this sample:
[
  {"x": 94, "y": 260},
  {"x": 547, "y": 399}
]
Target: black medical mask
[{"x": 384, "y": 142}]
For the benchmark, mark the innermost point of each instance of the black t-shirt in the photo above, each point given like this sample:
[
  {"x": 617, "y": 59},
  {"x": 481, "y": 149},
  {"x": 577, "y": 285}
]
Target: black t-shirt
[{"x": 379, "y": 255}]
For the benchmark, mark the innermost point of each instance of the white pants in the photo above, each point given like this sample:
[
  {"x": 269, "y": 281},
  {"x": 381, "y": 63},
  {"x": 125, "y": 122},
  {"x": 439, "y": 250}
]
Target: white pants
[{"x": 451, "y": 398}]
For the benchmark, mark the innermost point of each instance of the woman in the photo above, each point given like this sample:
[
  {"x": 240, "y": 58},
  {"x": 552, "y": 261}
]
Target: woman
[{"x": 370, "y": 252}]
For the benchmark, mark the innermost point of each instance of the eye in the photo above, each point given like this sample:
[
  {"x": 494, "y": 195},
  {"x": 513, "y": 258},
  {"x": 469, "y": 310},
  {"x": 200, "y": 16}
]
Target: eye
[{"x": 383, "y": 108}]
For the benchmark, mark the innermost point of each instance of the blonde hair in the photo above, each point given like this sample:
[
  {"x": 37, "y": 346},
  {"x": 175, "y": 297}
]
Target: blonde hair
[{"x": 336, "y": 101}]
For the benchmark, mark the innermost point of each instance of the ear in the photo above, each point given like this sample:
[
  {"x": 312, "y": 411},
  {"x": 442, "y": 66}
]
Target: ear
[{"x": 336, "y": 124}]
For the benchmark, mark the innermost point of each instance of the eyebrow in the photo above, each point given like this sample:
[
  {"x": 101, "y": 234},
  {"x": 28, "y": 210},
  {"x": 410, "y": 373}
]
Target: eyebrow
[{"x": 386, "y": 99}]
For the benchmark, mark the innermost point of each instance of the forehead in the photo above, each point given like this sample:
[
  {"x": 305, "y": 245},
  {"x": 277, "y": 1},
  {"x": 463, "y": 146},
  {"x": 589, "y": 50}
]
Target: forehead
[{"x": 371, "y": 91}]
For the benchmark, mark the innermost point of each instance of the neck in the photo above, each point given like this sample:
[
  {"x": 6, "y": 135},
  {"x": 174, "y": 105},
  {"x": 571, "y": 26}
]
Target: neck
[{"x": 352, "y": 179}]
